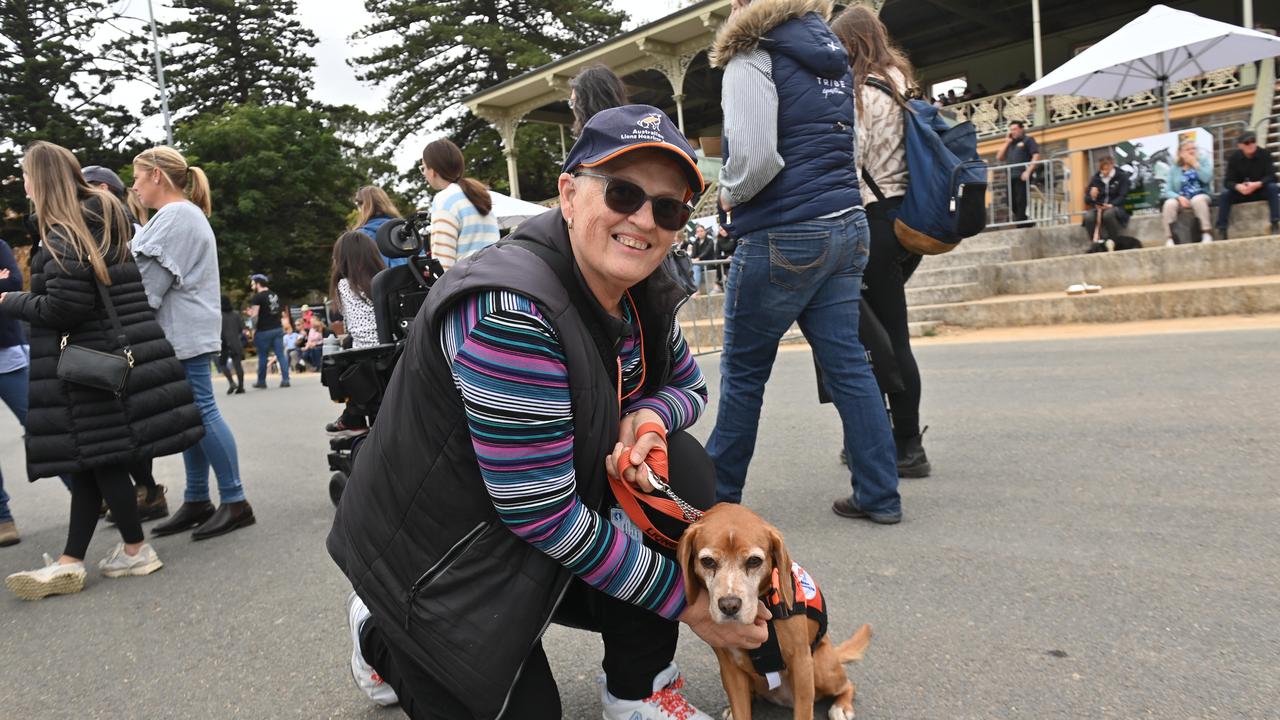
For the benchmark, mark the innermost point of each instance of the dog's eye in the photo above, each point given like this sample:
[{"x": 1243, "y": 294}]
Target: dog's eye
[
  {"x": 708, "y": 563},
  {"x": 754, "y": 562}
]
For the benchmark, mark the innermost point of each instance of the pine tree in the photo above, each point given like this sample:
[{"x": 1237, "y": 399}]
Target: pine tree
[
  {"x": 54, "y": 85},
  {"x": 446, "y": 50},
  {"x": 237, "y": 52}
]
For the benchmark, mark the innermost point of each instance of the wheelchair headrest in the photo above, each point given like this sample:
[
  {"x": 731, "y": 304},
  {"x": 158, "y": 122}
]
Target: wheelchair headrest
[{"x": 400, "y": 238}]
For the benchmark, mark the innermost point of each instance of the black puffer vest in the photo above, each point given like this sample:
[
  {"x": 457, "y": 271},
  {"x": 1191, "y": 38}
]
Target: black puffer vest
[
  {"x": 416, "y": 532},
  {"x": 73, "y": 428}
]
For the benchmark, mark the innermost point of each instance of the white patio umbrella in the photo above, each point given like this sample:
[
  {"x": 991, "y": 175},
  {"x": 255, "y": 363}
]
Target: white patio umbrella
[
  {"x": 511, "y": 212},
  {"x": 1161, "y": 46}
]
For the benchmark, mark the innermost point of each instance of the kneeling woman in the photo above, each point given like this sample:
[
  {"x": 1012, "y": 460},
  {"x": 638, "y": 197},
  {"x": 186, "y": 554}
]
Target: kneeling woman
[
  {"x": 86, "y": 291},
  {"x": 479, "y": 510}
]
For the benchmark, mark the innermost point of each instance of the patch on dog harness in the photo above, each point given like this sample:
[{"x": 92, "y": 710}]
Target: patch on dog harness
[{"x": 767, "y": 659}]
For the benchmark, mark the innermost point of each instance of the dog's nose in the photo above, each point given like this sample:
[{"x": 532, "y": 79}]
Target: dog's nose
[{"x": 730, "y": 605}]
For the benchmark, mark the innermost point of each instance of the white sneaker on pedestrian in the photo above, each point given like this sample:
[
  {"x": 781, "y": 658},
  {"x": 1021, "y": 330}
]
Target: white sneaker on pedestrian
[
  {"x": 52, "y": 579},
  {"x": 666, "y": 702},
  {"x": 365, "y": 677},
  {"x": 1206, "y": 237},
  {"x": 118, "y": 563},
  {"x": 1170, "y": 242}
]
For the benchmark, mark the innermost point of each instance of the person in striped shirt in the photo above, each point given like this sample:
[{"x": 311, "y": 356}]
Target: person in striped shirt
[
  {"x": 462, "y": 219},
  {"x": 521, "y": 331}
]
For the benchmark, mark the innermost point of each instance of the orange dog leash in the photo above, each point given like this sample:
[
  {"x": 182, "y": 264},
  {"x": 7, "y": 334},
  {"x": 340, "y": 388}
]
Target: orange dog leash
[{"x": 630, "y": 497}]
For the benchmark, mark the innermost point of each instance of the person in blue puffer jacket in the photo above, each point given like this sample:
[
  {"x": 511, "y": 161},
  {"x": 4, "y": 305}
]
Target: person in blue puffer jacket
[
  {"x": 376, "y": 209},
  {"x": 790, "y": 191}
]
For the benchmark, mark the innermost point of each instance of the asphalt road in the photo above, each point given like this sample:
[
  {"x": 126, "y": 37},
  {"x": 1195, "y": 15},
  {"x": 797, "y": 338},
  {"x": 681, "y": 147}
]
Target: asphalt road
[{"x": 1099, "y": 540}]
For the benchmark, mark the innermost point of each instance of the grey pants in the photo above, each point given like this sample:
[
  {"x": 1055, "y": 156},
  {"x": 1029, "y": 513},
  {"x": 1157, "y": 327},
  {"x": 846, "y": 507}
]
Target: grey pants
[
  {"x": 1199, "y": 206},
  {"x": 1111, "y": 227}
]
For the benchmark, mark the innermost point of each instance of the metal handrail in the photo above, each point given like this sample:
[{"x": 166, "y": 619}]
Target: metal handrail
[{"x": 1057, "y": 186}]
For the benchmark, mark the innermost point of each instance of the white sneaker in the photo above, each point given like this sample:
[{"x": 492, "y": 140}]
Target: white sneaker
[
  {"x": 1206, "y": 237},
  {"x": 365, "y": 677},
  {"x": 666, "y": 702},
  {"x": 1076, "y": 289},
  {"x": 118, "y": 563},
  {"x": 1170, "y": 242},
  {"x": 52, "y": 579}
]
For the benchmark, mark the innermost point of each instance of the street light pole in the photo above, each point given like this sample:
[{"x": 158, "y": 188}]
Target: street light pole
[{"x": 164, "y": 96}]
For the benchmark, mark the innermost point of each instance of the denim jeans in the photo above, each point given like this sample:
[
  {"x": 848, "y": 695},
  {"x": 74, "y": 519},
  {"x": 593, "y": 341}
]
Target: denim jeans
[
  {"x": 1269, "y": 192},
  {"x": 698, "y": 272},
  {"x": 14, "y": 387},
  {"x": 810, "y": 272},
  {"x": 272, "y": 340},
  {"x": 218, "y": 447}
]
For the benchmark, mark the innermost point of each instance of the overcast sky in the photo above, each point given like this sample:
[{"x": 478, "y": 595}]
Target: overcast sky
[{"x": 333, "y": 22}]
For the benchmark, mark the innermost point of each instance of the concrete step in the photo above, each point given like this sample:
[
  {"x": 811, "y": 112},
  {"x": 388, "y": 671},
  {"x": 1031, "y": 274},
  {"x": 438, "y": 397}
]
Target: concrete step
[
  {"x": 962, "y": 257},
  {"x": 923, "y": 329},
  {"x": 937, "y": 294},
  {"x": 950, "y": 276},
  {"x": 1148, "y": 266},
  {"x": 1202, "y": 298}
]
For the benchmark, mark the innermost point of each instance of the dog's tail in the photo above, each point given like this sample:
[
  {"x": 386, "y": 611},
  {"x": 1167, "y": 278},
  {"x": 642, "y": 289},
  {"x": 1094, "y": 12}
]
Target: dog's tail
[{"x": 854, "y": 648}]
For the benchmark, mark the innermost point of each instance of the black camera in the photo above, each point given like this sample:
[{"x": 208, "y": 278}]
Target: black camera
[{"x": 402, "y": 238}]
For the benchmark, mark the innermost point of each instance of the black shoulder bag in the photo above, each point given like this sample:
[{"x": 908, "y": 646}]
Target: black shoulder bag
[{"x": 91, "y": 368}]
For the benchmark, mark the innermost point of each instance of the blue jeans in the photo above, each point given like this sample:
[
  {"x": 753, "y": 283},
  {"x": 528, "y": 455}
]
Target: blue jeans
[
  {"x": 809, "y": 272},
  {"x": 14, "y": 387},
  {"x": 272, "y": 340},
  {"x": 217, "y": 448},
  {"x": 698, "y": 272},
  {"x": 1269, "y": 191}
]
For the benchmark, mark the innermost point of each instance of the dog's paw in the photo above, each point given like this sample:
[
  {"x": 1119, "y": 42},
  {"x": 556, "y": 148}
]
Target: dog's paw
[
  {"x": 838, "y": 713},
  {"x": 727, "y": 714}
]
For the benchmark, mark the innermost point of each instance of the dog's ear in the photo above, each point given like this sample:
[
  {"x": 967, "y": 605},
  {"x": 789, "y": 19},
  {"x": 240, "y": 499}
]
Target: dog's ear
[
  {"x": 686, "y": 552},
  {"x": 782, "y": 564}
]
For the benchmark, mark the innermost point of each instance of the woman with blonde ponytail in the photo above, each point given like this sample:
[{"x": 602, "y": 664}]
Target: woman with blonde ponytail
[
  {"x": 462, "y": 220},
  {"x": 86, "y": 291},
  {"x": 178, "y": 256}
]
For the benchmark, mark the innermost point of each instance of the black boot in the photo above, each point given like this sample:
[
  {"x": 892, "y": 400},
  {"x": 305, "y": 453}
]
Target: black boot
[
  {"x": 912, "y": 462},
  {"x": 229, "y": 516},
  {"x": 188, "y": 516}
]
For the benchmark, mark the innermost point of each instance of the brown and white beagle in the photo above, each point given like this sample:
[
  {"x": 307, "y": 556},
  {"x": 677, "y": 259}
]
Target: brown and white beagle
[{"x": 738, "y": 557}]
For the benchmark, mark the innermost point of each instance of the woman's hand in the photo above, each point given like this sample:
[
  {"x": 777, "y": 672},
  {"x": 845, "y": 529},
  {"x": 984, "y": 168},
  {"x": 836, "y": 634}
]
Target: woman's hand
[
  {"x": 1183, "y": 202},
  {"x": 697, "y": 615},
  {"x": 638, "y": 473}
]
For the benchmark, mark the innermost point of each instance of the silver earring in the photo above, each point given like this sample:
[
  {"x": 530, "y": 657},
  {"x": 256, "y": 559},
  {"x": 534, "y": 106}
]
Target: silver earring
[{"x": 569, "y": 222}]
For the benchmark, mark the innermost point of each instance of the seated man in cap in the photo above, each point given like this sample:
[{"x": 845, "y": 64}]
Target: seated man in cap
[
  {"x": 1251, "y": 175},
  {"x": 497, "y": 491}
]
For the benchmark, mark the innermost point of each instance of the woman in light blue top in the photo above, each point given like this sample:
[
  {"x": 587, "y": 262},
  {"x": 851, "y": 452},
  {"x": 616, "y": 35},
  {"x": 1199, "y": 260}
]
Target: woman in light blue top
[{"x": 1188, "y": 187}]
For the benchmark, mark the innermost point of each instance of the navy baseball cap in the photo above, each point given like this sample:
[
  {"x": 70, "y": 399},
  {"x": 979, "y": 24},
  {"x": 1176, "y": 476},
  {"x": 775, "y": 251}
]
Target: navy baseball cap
[
  {"x": 259, "y": 278},
  {"x": 616, "y": 131},
  {"x": 97, "y": 174}
]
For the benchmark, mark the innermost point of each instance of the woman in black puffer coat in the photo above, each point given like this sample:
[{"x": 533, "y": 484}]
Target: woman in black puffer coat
[{"x": 92, "y": 434}]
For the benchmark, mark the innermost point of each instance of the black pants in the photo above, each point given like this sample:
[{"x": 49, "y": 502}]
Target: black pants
[
  {"x": 142, "y": 475},
  {"x": 638, "y": 644},
  {"x": 1017, "y": 195},
  {"x": 228, "y": 360},
  {"x": 1111, "y": 227},
  {"x": 88, "y": 490},
  {"x": 888, "y": 269}
]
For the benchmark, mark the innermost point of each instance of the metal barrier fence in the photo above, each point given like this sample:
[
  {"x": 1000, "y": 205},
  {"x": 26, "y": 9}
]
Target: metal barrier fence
[
  {"x": 701, "y": 318},
  {"x": 1044, "y": 200}
]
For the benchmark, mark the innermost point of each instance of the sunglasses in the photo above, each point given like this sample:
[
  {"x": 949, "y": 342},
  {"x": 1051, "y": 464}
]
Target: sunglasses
[{"x": 625, "y": 197}]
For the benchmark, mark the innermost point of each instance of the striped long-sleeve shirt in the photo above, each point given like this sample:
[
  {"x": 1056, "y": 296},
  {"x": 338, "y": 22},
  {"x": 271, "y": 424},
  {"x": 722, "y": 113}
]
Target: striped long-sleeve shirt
[
  {"x": 457, "y": 227},
  {"x": 510, "y": 370}
]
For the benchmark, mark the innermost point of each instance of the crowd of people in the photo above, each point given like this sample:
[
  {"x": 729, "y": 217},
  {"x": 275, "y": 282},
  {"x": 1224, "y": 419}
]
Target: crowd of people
[{"x": 550, "y": 369}]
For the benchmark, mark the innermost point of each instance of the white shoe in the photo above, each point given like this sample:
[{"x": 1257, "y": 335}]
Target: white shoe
[
  {"x": 1169, "y": 243},
  {"x": 1206, "y": 237},
  {"x": 1091, "y": 289},
  {"x": 1076, "y": 289},
  {"x": 118, "y": 563},
  {"x": 52, "y": 579},
  {"x": 365, "y": 677},
  {"x": 666, "y": 702}
]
